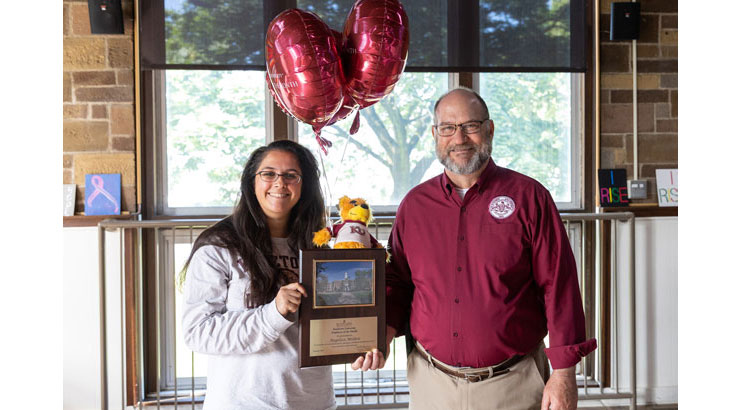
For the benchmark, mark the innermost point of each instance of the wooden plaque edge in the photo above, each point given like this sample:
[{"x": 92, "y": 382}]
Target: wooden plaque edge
[{"x": 307, "y": 312}]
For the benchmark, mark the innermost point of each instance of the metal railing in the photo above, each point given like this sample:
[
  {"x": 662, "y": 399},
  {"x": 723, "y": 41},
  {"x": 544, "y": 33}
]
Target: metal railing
[{"x": 598, "y": 374}]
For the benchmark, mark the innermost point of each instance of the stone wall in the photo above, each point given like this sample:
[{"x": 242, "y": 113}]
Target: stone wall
[
  {"x": 657, "y": 93},
  {"x": 98, "y": 103}
]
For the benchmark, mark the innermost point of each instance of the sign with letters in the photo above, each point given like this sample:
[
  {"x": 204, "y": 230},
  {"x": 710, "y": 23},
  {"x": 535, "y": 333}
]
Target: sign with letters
[
  {"x": 613, "y": 187},
  {"x": 666, "y": 181}
]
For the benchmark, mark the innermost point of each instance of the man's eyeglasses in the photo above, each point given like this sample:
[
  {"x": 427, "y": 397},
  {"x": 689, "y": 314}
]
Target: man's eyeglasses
[
  {"x": 470, "y": 127},
  {"x": 289, "y": 178}
]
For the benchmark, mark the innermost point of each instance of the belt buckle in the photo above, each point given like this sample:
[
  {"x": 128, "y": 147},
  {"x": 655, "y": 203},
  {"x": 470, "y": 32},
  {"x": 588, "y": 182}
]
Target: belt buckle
[{"x": 473, "y": 378}]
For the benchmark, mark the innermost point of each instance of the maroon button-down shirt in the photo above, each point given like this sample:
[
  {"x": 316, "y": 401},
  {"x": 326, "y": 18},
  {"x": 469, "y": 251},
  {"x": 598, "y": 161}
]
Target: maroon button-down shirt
[{"x": 485, "y": 278}]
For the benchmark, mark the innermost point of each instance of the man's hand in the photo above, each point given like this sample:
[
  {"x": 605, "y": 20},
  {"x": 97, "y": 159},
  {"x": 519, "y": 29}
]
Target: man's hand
[
  {"x": 374, "y": 360},
  {"x": 288, "y": 299},
  {"x": 561, "y": 392}
]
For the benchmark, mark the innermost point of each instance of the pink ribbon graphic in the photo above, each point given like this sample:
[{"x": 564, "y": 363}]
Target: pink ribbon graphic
[{"x": 97, "y": 182}]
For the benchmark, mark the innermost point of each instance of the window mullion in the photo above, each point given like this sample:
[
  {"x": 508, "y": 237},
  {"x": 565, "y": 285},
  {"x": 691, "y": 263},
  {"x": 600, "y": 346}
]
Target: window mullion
[
  {"x": 463, "y": 34},
  {"x": 160, "y": 139},
  {"x": 577, "y": 140}
]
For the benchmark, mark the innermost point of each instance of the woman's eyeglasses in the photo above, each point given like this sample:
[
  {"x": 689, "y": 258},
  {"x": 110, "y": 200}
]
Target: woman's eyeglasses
[{"x": 289, "y": 178}]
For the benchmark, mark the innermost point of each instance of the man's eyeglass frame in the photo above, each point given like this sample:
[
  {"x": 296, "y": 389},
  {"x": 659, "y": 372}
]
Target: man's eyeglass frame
[{"x": 462, "y": 127}]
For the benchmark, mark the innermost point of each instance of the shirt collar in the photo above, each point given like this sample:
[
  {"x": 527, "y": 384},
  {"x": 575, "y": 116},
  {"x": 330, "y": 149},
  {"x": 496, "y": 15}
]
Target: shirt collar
[{"x": 481, "y": 184}]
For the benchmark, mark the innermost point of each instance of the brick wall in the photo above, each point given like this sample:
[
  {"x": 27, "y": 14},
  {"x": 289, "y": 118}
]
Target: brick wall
[
  {"x": 98, "y": 103},
  {"x": 657, "y": 95}
]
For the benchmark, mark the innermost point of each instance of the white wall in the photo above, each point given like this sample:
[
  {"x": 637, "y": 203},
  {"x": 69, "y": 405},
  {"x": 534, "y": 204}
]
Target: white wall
[
  {"x": 656, "y": 285},
  {"x": 81, "y": 319},
  {"x": 656, "y": 299},
  {"x": 81, "y": 328}
]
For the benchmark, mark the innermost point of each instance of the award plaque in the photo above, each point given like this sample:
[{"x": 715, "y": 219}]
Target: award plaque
[{"x": 343, "y": 316}]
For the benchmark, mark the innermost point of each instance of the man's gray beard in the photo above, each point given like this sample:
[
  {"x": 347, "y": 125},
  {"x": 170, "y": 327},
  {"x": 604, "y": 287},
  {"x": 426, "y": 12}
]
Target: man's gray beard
[{"x": 478, "y": 160}]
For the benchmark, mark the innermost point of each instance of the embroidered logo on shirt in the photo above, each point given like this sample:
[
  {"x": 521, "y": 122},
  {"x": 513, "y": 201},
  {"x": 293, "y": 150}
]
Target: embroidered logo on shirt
[{"x": 501, "y": 207}]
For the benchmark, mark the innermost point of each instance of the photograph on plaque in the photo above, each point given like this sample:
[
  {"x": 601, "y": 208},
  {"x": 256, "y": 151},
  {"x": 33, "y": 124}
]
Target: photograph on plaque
[
  {"x": 344, "y": 314},
  {"x": 344, "y": 283}
]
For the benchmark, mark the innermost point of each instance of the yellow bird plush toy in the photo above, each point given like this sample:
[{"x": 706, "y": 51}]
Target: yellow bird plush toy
[{"x": 352, "y": 232}]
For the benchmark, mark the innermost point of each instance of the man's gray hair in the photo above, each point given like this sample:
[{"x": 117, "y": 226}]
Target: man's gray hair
[{"x": 477, "y": 97}]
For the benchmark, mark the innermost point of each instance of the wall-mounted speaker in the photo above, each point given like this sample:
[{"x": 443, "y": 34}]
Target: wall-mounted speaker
[
  {"x": 625, "y": 21},
  {"x": 106, "y": 16}
]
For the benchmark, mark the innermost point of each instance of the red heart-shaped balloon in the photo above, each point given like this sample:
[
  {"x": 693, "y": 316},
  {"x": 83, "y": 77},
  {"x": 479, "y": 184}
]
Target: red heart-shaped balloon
[
  {"x": 304, "y": 70},
  {"x": 376, "y": 44},
  {"x": 348, "y": 104}
]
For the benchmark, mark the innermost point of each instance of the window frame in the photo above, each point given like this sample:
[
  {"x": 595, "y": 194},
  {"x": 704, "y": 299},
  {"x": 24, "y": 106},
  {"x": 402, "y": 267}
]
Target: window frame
[{"x": 277, "y": 123}]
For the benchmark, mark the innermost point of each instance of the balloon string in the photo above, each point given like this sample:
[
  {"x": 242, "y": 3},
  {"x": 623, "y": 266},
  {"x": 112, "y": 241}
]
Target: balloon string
[
  {"x": 341, "y": 161},
  {"x": 327, "y": 209}
]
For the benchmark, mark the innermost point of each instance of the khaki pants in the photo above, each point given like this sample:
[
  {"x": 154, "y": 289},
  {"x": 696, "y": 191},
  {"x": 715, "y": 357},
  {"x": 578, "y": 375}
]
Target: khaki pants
[{"x": 519, "y": 389}]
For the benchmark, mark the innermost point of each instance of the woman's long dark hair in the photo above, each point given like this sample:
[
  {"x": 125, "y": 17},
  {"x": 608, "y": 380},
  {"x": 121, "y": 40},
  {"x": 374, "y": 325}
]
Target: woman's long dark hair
[{"x": 245, "y": 232}]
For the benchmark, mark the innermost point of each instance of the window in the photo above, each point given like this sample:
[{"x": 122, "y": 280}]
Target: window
[
  {"x": 210, "y": 110},
  {"x": 209, "y": 61},
  {"x": 213, "y": 120},
  {"x": 538, "y": 128}
]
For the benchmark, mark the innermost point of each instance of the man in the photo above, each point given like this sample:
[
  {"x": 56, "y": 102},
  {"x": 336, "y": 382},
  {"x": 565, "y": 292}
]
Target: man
[{"x": 481, "y": 269}]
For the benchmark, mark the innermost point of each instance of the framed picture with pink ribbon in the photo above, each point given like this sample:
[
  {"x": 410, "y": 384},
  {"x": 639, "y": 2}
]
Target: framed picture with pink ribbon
[{"x": 103, "y": 194}]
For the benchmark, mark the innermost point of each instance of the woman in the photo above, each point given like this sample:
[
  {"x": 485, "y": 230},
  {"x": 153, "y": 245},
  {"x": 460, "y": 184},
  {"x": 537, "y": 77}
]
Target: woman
[{"x": 242, "y": 291}]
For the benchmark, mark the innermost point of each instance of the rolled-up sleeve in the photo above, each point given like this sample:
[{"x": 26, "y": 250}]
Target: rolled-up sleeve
[
  {"x": 208, "y": 326},
  {"x": 555, "y": 271}
]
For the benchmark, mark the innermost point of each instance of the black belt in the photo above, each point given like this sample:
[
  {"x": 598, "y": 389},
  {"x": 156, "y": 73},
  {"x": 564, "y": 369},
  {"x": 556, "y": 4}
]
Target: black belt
[{"x": 474, "y": 375}]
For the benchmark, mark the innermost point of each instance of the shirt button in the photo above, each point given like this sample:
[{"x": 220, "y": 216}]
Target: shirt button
[
  {"x": 457, "y": 300},
  {"x": 459, "y": 364},
  {"x": 462, "y": 237},
  {"x": 459, "y": 269},
  {"x": 462, "y": 209},
  {"x": 454, "y": 334}
]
